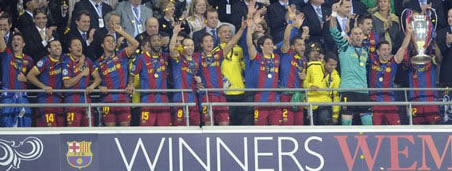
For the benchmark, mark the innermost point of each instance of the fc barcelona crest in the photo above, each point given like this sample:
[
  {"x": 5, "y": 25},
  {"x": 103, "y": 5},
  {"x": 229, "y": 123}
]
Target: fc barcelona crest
[{"x": 79, "y": 154}]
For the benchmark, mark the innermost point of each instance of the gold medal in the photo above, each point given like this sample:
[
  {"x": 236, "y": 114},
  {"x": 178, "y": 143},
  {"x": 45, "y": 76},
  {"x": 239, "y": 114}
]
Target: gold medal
[
  {"x": 156, "y": 75},
  {"x": 269, "y": 76},
  {"x": 381, "y": 79},
  {"x": 361, "y": 64},
  {"x": 415, "y": 76},
  {"x": 388, "y": 69}
]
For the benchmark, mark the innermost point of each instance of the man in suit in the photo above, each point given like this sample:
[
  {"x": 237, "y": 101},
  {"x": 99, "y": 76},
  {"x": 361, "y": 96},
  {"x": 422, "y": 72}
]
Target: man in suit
[
  {"x": 5, "y": 27},
  {"x": 111, "y": 19},
  {"x": 84, "y": 33},
  {"x": 444, "y": 41},
  {"x": 39, "y": 36},
  {"x": 152, "y": 27},
  {"x": 96, "y": 8},
  {"x": 133, "y": 16},
  {"x": 26, "y": 19},
  {"x": 211, "y": 28},
  {"x": 420, "y": 5},
  {"x": 241, "y": 11},
  {"x": 224, "y": 8},
  {"x": 276, "y": 19},
  {"x": 344, "y": 24},
  {"x": 316, "y": 14}
]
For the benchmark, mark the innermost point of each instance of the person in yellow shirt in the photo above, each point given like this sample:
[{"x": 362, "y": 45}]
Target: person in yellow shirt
[
  {"x": 232, "y": 69},
  {"x": 323, "y": 75}
]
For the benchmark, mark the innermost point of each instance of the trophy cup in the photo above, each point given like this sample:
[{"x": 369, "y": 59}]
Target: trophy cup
[{"x": 423, "y": 27}]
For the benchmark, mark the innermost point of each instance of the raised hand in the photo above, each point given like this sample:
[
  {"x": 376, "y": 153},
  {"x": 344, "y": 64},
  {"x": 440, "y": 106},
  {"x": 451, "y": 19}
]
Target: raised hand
[
  {"x": 177, "y": 28},
  {"x": 336, "y": 6}
]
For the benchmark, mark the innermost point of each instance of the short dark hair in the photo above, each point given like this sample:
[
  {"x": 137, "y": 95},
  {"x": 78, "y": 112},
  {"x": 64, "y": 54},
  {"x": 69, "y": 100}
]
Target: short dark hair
[
  {"x": 164, "y": 34},
  {"x": 261, "y": 40},
  {"x": 210, "y": 9},
  {"x": 72, "y": 39},
  {"x": 5, "y": 15},
  {"x": 50, "y": 42},
  {"x": 313, "y": 46},
  {"x": 292, "y": 42},
  {"x": 330, "y": 55},
  {"x": 362, "y": 18},
  {"x": 18, "y": 34},
  {"x": 82, "y": 12},
  {"x": 38, "y": 11},
  {"x": 382, "y": 43},
  {"x": 107, "y": 35}
]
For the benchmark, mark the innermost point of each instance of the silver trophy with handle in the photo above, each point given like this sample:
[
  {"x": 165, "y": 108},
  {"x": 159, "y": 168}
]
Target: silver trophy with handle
[{"x": 423, "y": 26}]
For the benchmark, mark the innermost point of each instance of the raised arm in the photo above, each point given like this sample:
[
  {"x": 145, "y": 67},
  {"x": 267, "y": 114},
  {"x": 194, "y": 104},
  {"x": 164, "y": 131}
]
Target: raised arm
[
  {"x": 286, "y": 41},
  {"x": 235, "y": 39},
  {"x": 398, "y": 57},
  {"x": 172, "y": 46},
  {"x": 133, "y": 44},
  {"x": 2, "y": 41}
]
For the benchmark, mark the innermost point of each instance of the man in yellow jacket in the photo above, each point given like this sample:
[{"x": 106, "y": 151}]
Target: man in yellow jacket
[{"x": 323, "y": 75}]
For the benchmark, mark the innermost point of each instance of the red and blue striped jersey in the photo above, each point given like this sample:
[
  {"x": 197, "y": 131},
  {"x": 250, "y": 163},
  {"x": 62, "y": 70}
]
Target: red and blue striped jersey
[
  {"x": 291, "y": 65},
  {"x": 422, "y": 76},
  {"x": 114, "y": 71},
  {"x": 382, "y": 75},
  {"x": 71, "y": 70},
  {"x": 211, "y": 70},
  {"x": 183, "y": 71},
  {"x": 12, "y": 66},
  {"x": 153, "y": 75},
  {"x": 267, "y": 77},
  {"x": 50, "y": 74}
]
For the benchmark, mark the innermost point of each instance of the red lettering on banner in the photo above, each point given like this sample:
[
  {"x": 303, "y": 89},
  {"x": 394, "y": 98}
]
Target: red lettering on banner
[
  {"x": 394, "y": 148},
  {"x": 427, "y": 140},
  {"x": 362, "y": 144}
]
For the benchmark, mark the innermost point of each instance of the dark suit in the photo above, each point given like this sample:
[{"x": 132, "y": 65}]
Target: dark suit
[
  {"x": 436, "y": 4},
  {"x": 240, "y": 10},
  {"x": 25, "y": 20},
  {"x": 88, "y": 51},
  {"x": 358, "y": 7},
  {"x": 329, "y": 42},
  {"x": 276, "y": 21},
  {"x": 165, "y": 26},
  {"x": 220, "y": 5},
  {"x": 55, "y": 17},
  {"x": 197, "y": 38},
  {"x": 86, "y": 5},
  {"x": 445, "y": 76},
  {"x": 33, "y": 43},
  {"x": 99, "y": 36},
  {"x": 314, "y": 24}
]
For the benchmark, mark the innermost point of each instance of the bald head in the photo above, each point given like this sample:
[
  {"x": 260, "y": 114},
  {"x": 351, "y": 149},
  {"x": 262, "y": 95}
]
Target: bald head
[{"x": 152, "y": 26}]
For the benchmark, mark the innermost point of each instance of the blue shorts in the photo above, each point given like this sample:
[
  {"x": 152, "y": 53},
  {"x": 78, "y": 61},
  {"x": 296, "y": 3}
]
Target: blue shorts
[{"x": 10, "y": 115}]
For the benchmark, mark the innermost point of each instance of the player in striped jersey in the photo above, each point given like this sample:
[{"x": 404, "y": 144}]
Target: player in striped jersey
[
  {"x": 46, "y": 74},
  {"x": 293, "y": 68},
  {"x": 185, "y": 70},
  {"x": 152, "y": 68},
  {"x": 15, "y": 65},
  {"x": 113, "y": 69},
  {"x": 267, "y": 75},
  {"x": 77, "y": 71},
  {"x": 211, "y": 75},
  {"x": 383, "y": 67}
]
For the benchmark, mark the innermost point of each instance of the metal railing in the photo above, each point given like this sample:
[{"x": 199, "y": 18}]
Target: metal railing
[{"x": 210, "y": 105}]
